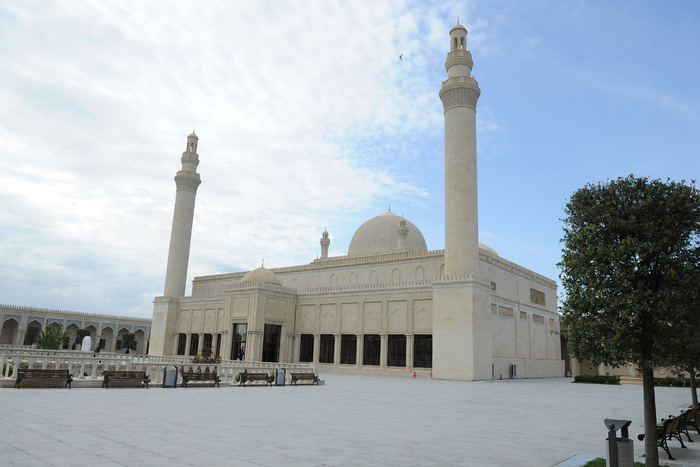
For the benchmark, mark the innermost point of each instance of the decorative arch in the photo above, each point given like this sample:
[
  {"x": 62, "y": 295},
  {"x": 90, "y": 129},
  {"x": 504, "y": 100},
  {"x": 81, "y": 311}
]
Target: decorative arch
[
  {"x": 396, "y": 275},
  {"x": 373, "y": 322},
  {"x": 397, "y": 321},
  {"x": 420, "y": 274},
  {"x": 353, "y": 279},
  {"x": 334, "y": 280},
  {"x": 442, "y": 270},
  {"x": 373, "y": 277}
]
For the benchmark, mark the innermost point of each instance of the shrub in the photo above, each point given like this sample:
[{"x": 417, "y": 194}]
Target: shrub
[
  {"x": 677, "y": 383},
  {"x": 612, "y": 380},
  {"x": 687, "y": 383},
  {"x": 656, "y": 381},
  {"x": 580, "y": 379},
  {"x": 665, "y": 382},
  {"x": 601, "y": 380},
  {"x": 52, "y": 337},
  {"x": 589, "y": 379}
]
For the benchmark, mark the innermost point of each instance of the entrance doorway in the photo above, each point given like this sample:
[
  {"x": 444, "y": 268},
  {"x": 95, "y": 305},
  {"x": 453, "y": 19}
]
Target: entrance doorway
[
  {"x": 271, "y": 343},
  {"x": 238, "y": 343}
]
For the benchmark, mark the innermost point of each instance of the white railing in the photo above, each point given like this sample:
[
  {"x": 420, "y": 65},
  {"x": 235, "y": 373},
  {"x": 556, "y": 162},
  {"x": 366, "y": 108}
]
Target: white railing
[{"x": 85, "y": 366}]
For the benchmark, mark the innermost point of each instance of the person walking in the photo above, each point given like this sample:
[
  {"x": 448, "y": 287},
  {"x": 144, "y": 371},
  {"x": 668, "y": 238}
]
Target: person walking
[{"x": 241, "y": 352}]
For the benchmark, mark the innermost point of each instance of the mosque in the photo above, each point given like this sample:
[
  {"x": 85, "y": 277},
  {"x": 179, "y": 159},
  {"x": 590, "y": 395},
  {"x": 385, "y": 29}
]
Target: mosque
[{"x": 390, "y": 306}]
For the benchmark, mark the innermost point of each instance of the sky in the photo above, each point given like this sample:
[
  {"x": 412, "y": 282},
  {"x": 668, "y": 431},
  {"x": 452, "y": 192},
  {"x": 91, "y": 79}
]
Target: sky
[{"x": 308, "y": 119}]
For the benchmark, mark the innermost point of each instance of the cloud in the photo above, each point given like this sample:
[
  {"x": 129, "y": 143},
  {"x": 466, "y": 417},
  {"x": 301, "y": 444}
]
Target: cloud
[{"x": 306, "y": 117}]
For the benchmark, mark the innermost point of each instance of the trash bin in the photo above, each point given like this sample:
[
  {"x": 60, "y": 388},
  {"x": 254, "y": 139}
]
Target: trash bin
[
  {"x": 619, "y": 451},
  {"x": 280, "y": 375},
  {"x": 568, "y": 373},
  {"x": 170, "y": 377}
]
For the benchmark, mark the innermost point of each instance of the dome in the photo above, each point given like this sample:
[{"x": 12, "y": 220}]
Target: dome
[
  {"x": 262, "y": 274},
  {"x": 488, "y": 249},
  {"x": 378, "y": 235},
  {"x": 192, "y": 135}
]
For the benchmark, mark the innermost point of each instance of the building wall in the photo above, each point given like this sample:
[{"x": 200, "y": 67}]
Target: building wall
[{"x": 16, "y": 320}]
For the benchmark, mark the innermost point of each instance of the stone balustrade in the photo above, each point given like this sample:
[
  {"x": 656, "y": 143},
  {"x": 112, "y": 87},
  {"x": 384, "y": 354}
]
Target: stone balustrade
[{"x": 85, "y": 366}]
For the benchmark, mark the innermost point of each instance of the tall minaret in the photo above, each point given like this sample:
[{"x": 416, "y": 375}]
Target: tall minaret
[
  {"x": 462, "y": 347},
  {"x": 459, "y": 95},
  {"x": 325, "y": 242},
  {"x": 163, "y": 340},
  {"x": 187, "y": 180}
]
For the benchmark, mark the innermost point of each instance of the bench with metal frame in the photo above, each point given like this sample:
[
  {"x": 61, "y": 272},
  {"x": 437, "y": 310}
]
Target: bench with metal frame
[
  {"x": 197, "y": 376},
  {"x": 250, "y": 377},
  {"x": 296, "y": 377},
  {"x": 43, "y": 375},
  {"x": 119, "y": 375},
  {"x": 669, "y": 428}
]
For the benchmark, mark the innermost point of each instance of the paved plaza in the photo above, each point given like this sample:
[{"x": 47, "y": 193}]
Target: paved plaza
[{"x": 352, "y": 420}]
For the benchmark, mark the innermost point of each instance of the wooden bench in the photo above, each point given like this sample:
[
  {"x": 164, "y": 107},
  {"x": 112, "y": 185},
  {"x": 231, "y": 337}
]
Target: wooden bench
[
  {"x": 667, "y": 430},
  {"x": 43, "y": 375},
  {"x": 296, "y": 377},
  {"x": 118, "y": 375},
  {"x": 249, "y": 377},
  {"x": 192, "y": 376},
  {"x": 690, "y": 419}
]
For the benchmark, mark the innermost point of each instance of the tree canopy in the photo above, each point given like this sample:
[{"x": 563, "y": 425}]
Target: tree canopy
[
  {"x": 629, "y": 244},
  {"x": 630, "y": 255}
]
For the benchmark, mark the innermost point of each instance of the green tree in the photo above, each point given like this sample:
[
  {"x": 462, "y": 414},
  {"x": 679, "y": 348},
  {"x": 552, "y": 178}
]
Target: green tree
[
  {"x": 129, "y": 341},
  {"x": 52, "y": 337},
  {"x": 628, "y": 245}
]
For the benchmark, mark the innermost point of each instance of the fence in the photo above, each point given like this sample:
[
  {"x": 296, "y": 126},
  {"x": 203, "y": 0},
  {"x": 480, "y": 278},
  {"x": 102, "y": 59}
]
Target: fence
[{"x": 89, "y": 366}]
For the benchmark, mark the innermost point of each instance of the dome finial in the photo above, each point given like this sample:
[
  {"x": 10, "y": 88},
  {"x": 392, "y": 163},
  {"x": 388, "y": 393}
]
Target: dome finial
[
  {"x": 389, "y": 207},
  {"x": 263, "y": 264},
  {"x": 458, "y": 20}
]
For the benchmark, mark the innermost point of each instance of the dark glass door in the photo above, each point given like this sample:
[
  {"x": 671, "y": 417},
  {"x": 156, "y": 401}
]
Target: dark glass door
[
  {"x": 238, "y": 344},
  {"x": 271, "y": 343}
]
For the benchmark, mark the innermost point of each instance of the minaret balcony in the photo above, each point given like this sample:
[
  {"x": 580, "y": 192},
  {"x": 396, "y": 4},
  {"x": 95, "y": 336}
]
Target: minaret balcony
[{"x": 459, "y": 57}]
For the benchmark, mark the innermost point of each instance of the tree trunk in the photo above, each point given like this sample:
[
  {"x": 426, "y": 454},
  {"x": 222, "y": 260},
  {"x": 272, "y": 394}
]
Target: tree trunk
[
  {"x": 693, "y": 387},
  {"x": 650, "y": 447}
]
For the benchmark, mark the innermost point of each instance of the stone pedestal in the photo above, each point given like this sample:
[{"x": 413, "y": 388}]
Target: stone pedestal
[
  {"x": 461, "y": 328},
  {"x": 164, "y": 325}
]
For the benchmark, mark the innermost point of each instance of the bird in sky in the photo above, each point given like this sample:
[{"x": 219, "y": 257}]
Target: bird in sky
[{"x": 401, "y": 57}]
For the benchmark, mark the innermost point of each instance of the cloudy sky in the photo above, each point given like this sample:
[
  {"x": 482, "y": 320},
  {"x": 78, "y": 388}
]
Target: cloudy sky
[{"x": 308, "y": 119}]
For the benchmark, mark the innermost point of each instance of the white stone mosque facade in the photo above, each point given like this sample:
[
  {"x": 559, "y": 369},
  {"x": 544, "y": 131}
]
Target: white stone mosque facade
[{"x": 390, "y": 306}]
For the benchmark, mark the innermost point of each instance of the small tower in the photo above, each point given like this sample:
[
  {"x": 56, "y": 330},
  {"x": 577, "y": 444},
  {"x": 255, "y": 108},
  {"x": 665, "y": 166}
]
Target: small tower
[
  {"x": 325, "y": 242},
  {"x": 401, "y": 234},
  {"x": 166, "y": 308}
]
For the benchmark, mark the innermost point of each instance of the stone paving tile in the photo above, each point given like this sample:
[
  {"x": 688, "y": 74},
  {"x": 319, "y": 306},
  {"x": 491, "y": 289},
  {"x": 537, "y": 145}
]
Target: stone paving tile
[{"x": 353, "y": 420}]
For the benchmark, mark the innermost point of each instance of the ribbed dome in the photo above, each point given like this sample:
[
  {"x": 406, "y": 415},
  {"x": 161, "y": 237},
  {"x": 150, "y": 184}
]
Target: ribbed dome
[
  {"x": 378, "y": 235},
  {"x": 261, "y": 274}
]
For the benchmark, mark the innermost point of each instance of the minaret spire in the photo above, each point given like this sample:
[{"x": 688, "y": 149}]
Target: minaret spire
[
  {"x": 167, "y": 307},
  {"x": 187, "y": 181},
  {"x": 462, "y": 347},
  {"x": 325, "y": 242},
  {"x": 459, "y": 95}
]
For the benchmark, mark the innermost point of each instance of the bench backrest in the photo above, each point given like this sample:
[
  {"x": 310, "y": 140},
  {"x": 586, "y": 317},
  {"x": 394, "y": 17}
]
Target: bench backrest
[
  {"x": 255, "y": 375},
  {"x": 671, "y": 425},
  {"x": 117, "y": 374},
  {"x": 35, "y": 373},
  {"x": 303, "y": 375}
]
